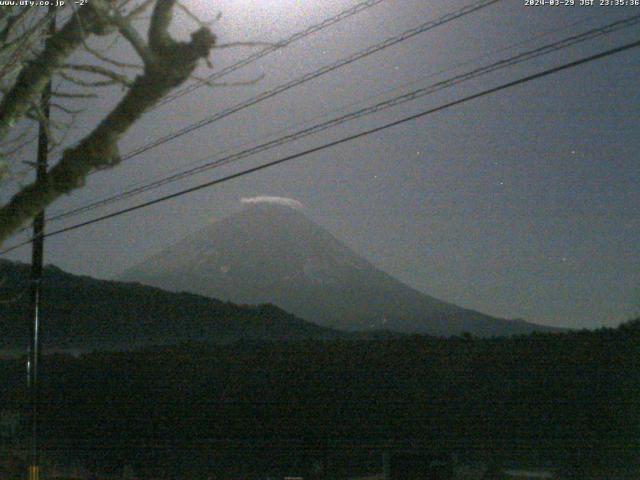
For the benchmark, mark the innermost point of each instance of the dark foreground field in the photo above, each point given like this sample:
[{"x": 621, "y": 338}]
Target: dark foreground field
[{"x": 329, "y": 408}]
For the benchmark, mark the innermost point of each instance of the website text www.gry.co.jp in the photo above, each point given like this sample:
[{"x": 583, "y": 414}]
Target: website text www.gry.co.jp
[{"x": 32, "y": 3}]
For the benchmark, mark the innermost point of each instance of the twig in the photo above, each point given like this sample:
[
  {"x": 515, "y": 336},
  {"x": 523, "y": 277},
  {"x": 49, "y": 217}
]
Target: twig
[{"x": 209, "y": 83}]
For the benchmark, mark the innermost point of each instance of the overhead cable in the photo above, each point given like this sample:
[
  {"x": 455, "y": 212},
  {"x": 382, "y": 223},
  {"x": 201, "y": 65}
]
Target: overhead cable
[{"x": 341, "y": 141}]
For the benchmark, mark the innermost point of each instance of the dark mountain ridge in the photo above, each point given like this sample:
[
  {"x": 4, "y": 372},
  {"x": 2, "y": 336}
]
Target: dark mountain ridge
[
  {"x": 269, "y": 253},
  {"x": 84, "y": 313}
]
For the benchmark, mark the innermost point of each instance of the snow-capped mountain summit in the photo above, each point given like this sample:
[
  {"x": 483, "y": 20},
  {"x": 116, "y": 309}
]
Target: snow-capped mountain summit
[{"x": 270, "y": 252}]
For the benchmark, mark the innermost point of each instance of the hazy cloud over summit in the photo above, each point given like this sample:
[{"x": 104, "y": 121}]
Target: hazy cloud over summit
[{"x": 287, "y": 202}]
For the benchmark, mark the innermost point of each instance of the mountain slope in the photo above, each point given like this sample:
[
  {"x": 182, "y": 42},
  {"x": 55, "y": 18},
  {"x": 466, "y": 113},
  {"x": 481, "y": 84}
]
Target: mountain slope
[
  {"x": 85, "y": 313},
  {"x": 274, "y": 253}
]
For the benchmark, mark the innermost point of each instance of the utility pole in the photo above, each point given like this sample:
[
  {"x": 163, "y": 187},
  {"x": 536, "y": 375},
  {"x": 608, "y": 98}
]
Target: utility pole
[{"x": 37, "y": 257}]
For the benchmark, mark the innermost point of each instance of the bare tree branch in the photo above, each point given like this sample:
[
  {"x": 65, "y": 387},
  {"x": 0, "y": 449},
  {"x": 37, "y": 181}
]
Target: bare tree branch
[
  {"x": 133, "y": 37},
  {"x": 243, "y": 44},
  {"x": 104, "y": 72},
  {"x": 4, "y": 152},
  {"x": 11, "y": 22},
  {"x": 116, "y": 63},
  {"x": 140, "y": 9},
  {"x": 195, "y": 18},
  {"x": 35, "y": 76},
  {"x": 65, "y": 109},
  {"x": 168, "y": 65},
  {"x": 81, "y": 82},
  {"x": 60, "y": 94},
  {"x": 159, "y": 37},
  {"x": 209, "y": 83}
]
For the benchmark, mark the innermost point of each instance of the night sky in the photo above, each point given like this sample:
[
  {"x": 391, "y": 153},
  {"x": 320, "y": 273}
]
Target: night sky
[{"x": 521, "y": 204}]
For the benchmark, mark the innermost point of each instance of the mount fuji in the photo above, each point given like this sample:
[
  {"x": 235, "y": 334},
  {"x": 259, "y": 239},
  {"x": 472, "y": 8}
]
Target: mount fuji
[{"x": 270, "y": 252}]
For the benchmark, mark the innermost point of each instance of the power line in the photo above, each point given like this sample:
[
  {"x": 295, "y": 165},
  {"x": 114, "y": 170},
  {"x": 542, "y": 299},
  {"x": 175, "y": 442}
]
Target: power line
[
  {"x": 360, "y": 7},
  {"x": 394, "y": 101},
  {"x": 346, "y": 139},
  {"x": 340, "y": 16},
  {"x": 389, "y": 42},
  {"x": 525, "y": 56},
  {"x": 132, "y": 189},
  {"x": 407, "y": 34},
  {"x": 315, "y": 28}
]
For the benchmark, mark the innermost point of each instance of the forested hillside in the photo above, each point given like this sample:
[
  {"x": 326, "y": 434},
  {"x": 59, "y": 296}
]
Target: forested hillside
[
  {"x": 84, "y": 313},
  {"x": 570, "y": 400}
]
